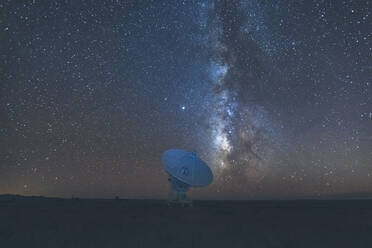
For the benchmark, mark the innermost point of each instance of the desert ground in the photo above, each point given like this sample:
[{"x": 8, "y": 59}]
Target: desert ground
[{"x": 52, "y": 222}]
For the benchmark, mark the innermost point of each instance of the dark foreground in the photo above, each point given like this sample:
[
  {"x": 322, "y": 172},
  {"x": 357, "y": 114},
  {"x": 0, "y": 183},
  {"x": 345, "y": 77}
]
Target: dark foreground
[{"x": 48, "y": 222}]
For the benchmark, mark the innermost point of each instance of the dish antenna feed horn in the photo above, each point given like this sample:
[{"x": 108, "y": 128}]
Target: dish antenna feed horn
[{"x": 185, "y": 170}]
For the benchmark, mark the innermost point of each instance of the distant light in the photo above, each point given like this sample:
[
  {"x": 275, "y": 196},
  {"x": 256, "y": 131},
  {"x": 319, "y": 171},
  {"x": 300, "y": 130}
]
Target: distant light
[{"x": 183, "y": 107}]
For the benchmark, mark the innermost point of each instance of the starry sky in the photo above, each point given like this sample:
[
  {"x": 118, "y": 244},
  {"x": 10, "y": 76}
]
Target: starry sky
[{"x": 276, "y": 96}]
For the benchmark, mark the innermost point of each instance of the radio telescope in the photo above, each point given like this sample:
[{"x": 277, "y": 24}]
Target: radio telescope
[{"x": 185, "y": 170}]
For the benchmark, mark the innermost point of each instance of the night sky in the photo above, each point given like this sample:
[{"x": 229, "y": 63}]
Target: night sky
[{"x": 276, "y": 96}]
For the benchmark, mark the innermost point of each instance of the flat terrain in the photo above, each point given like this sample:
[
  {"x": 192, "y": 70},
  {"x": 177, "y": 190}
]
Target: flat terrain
[{"x": 49, "y": 222}]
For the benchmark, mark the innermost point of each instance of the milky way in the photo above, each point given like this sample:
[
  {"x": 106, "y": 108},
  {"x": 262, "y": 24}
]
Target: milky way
[
  {"x": 246, "y": 142},
  {"x": 275, "y": 96},
  {"x": 242, "y": 137}
]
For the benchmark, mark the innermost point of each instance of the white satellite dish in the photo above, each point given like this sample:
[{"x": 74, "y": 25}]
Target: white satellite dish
[{"x": 185, "y": 170}]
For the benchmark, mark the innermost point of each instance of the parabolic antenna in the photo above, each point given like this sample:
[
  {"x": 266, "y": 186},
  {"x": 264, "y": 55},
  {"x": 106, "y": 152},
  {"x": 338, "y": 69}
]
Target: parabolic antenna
[{"x": 185, "y": 170}]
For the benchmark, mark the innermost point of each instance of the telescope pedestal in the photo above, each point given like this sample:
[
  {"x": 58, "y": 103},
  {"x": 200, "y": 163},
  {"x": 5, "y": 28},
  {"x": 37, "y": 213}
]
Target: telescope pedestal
[{"x": 177, "y": 196}]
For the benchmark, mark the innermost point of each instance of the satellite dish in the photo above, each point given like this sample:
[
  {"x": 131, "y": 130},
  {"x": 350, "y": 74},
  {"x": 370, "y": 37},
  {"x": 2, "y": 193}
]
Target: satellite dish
[{"x": 185, "y": 170}]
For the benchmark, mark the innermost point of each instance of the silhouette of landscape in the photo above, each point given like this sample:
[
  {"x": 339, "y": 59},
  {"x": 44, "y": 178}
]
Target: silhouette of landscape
[{"x": 58, "y": 222}]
